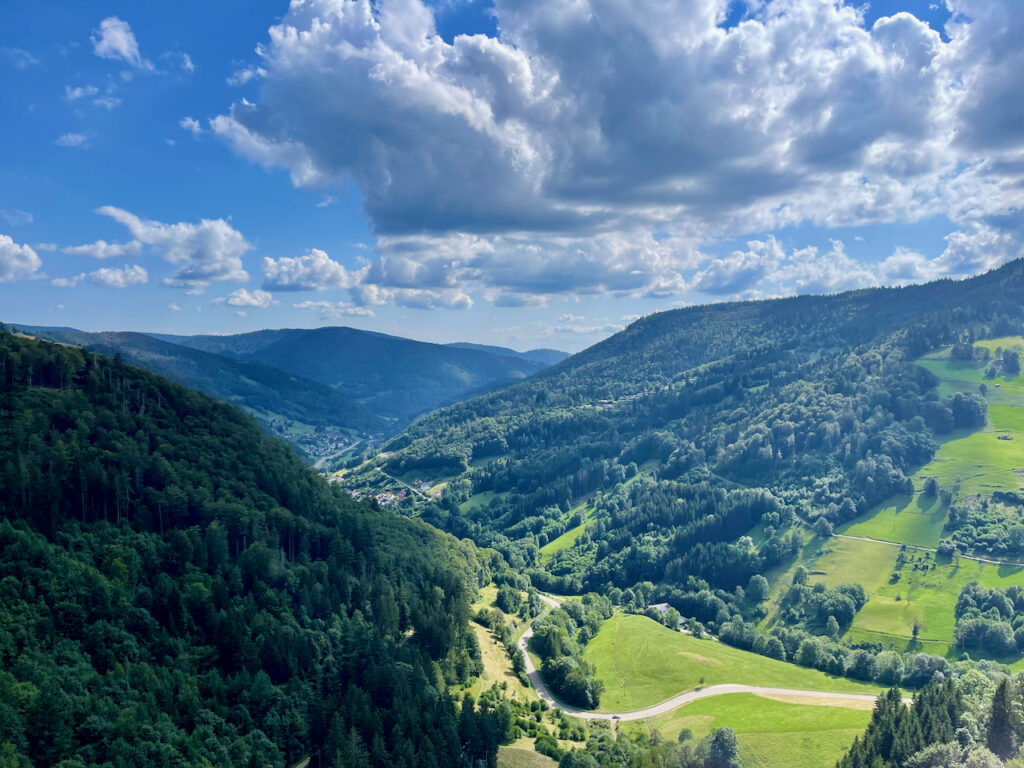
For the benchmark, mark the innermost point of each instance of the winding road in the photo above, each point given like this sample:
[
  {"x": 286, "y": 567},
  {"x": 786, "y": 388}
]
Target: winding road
[{"x": 676, "y": 701}]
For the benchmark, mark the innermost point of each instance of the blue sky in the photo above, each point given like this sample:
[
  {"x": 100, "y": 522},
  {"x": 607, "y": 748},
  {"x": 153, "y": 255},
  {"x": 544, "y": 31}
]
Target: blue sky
[{"x": 528, "y": 173}]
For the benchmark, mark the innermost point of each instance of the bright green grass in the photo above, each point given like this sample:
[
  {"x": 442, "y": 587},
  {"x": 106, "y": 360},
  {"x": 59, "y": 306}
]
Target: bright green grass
[
  {"x": 963, "y": 376},
  {"x": 927, "y": 596},
  {"x": 642, "y": 663},
  {"x": 1006, "y": 342},
  {"x": 568, "y": 538},
  {"x": 852, "y": 561},
  {"x": 916, "y": 519},
  {"x": 770, "y": 733},
  {"x": 480, "y": 500}
]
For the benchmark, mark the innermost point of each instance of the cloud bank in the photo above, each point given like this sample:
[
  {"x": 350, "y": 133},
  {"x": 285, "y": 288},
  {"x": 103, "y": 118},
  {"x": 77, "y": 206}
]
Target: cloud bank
[{"x": 603, "y": 146}]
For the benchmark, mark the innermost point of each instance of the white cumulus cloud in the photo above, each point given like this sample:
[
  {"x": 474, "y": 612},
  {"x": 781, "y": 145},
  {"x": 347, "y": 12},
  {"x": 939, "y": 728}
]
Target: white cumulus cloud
[
  {"x": 109, "y": 277},
  {"x": 191, "y": 125},
  {"x": 313, "y": 271},
  {"x": 206, "y": 252},
  {"x": 539, "y": 162},
  {"x": 101, "y": 249},
  {"x": 114, "y": 39},
  {"x": 17, "y": 262},
  {"x": 74, "y": 140},
  {"x": 246, "y": 298},
  {"x": 335, "y": 310},
  {"x": 80, "y": 92}
]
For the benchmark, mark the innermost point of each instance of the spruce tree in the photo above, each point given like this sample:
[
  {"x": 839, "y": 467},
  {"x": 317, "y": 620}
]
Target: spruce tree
[{"x": 1000, "y": 736}]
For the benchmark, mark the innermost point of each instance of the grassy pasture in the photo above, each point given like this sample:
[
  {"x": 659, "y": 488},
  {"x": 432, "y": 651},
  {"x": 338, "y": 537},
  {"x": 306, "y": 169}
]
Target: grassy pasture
[
  {"x": 522, "y": 755},
  {"x": 643, "y": 663},
  {"x": 908, "y": 519},
  {"x": 770, "y": 732},
  {"x": 853, "y": 561},
  {"x": 479, "y": 500},
  {"x": 568, "y": 538},
  {"x": 976, "y": 462},
  {"x": 928, "y": 596},
  {"x": 969, "y": 462},
  {"x": 1005, "y": 342}
]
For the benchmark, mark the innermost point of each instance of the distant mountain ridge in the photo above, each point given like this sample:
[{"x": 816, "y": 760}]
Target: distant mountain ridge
[
  {"x": 396, "y": 378},
  {"x": 261, "y": 388},
  {"x": 361, "y": 381},
  {"x": 543, "y": 355}
]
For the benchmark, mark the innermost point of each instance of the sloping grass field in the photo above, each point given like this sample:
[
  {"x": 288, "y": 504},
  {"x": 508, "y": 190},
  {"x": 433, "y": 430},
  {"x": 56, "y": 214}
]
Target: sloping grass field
[
  {"x": 927, "y": 595},
  {"x": 568, "y": 538},
  {"x": 643, "y": 663},
  {"x": 771, "y": 733},
  {"x": 523, "y": 756},
  {"x": 976, "y": 462},
  {"x": 968, "y": 463}
]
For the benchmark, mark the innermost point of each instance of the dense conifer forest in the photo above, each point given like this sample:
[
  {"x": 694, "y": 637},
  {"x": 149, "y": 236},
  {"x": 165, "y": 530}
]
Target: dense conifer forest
[{"x": 177, "y": 589}]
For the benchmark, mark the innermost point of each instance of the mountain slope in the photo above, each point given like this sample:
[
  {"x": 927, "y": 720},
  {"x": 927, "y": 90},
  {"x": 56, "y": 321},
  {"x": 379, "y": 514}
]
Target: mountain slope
[
  {"x": 660, "y": 446},
  {"x": 267, "y": 391},
  {"x": 544, "y": 356},
  {"x": 178, "y": 589},
  {"x": 395, "y": 378}
]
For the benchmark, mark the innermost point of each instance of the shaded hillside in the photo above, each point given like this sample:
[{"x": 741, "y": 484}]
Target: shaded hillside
[
  {"x": 267, "y": 391},
  {"x": 395, "y": 378},
  {"x": 177, "y": 589},
  {"x": 543, "y": 356}
]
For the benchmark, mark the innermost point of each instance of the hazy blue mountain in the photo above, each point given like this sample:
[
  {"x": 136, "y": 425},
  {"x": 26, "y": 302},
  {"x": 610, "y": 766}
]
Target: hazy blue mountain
[
  {"x": 543, "y": 356},
  {"x": 395, "y": 378},
  {"x": 264, "y": 390}
]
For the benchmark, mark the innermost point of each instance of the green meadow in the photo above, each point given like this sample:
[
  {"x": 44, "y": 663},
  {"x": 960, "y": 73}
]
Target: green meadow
[
  {"x": 479, "y": 500},
  {"x": 770, "y": 732},
  {"x": 643, "y": 663},
  {"x": 926, "y": 595},
  {"x": 568, "y": 538},
  {"x": 523, "y": 756},
  {"x": 974, "y": 462},
  {"x": 966, "y": 463}
]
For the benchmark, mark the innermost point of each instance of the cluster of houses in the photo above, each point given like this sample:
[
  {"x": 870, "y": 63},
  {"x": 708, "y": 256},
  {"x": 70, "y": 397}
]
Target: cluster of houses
[{"x": 385, "y": 498}]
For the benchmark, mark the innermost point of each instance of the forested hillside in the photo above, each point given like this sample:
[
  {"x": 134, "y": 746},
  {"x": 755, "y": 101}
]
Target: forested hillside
[
  {"x": 699, "y": 448},
  {"x": 177, "y": 589},
  {"x": 265, "y": 391},
  {"x": 395, "y": 378}
]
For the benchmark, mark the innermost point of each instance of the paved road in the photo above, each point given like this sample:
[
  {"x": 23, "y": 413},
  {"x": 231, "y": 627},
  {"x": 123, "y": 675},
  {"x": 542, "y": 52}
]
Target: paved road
[{"x": 669, "y": 704}]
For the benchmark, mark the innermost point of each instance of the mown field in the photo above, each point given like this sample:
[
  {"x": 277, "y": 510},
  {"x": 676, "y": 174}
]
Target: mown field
[
  {"x": 522, "y": 755},
  {"x": 967, "y": 463},
  {"x": 793, "y": 732},
  {"x": 643, "y": 663},
  {"x": 926, "y": 593}
]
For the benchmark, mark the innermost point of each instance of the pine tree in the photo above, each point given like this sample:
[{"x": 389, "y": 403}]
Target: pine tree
[{"x": 999, "y": 736}]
